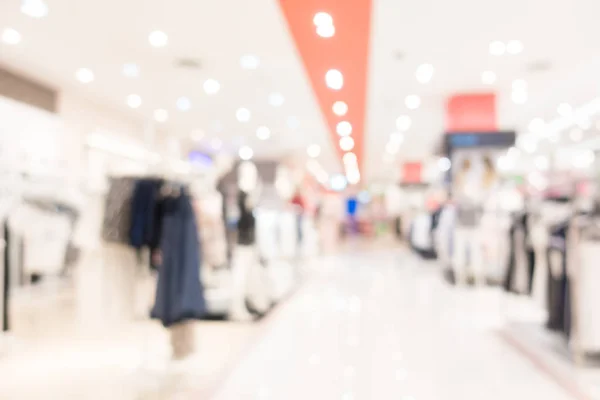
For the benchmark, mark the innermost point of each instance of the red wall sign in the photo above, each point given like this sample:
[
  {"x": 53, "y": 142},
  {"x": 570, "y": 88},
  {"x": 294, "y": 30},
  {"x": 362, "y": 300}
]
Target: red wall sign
[
  {"x": 471, "y": 113},
  {"x": 411, "y": 172}
]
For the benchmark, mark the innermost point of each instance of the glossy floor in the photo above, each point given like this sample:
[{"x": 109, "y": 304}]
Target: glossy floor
[{"x": 367, "y": 324}]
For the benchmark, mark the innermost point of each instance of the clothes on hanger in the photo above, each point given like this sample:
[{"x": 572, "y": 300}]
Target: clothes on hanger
[
  {"x": 116, "y": 227},
  {"x": 246, "y": 223},
  {"x": 179, "y": 293}
]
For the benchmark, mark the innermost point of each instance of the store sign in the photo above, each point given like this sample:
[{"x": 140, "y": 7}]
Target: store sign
[
  {"x": 466, "y": 140},
  {"x": 471, "y": 112},
  {"x": 412, "y": 172}
]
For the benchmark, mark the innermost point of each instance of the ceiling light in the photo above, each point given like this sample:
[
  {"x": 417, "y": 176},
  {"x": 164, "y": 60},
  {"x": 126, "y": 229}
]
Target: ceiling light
[
  {"x": 34, "y": 8},
  {"x": 444, "y": 164},
  {"x": 519, "y": 96},
  {"x": 249, "y": 61},
  {"x": 134, "y": 101},
  {"x": 293, "y": 122},
  {"x": 497, "y": 48},
  {"x": 184, "y": 104},
  {"x": 527, "y": 143},
  {"x": 263, "y": 133},
  {"x": 392, "y": 148},
  {"x": 346, "y": 143},
  {"x": 542, "y": 163},
  {"x": 537, "y": 125},
  {"x": 397, "y": 137},
  {"x": 211, "y": 86},
  {"x": 488, "y": 77},
  {"x": 403, "y": 123},
  {"x": 11, "y": 36},
  {"x": 334, "y": 79},
  {"x": 276, "y": 99},
  {"x": 349, "y": 158},
  {"x": 424, "y": 73},
  {"x": 340, "y": 108},
  {"x": 246, "y": 153},
  {"x": 84, "y": 75},
  {"x": 354, "y": 177},
  {"x": 344, "y": 128},
  {"x": 322, "y": 19},
  {"x": 412, "y": 101},
  {"x": 243, "y": 114},
  {"x": 216, "y": 144},
  {"x": 314, "y": 150},
  {"x": 514, "y": 47},
  {"x": 565, "y": 110},
  {"x": 197, "y": 135},
  {"x": 519, "y": 84},
  {"x": 338, "y": 182},
  {"x": 158, "y": 39},
  {"x": 326, "y": 31},
  {"x": 161, "y": 115},
  {"x": 131, "y": 70},
  {"x": 576, "y": 134}
]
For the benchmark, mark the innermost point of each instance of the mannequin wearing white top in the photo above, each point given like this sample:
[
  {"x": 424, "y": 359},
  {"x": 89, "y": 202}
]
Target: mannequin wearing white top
[{"x": 245, "y": 266}]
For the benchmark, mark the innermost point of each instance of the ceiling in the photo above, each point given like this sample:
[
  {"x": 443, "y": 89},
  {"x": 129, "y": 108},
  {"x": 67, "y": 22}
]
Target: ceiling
[{"x": 381, "y": 53}]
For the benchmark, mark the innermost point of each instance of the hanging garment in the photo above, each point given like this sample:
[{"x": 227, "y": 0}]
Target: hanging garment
[
  {"x": 144, "y": 201},
  {"x": 5, "y": 281},
  {"x": 179, "y": 294},
  {"x": 539, "y": 240},
  {"x": 246, "y": 223},
  {"x": 116, "y": 226},
  {"x": 467, "y": 251},
  {"x": 557, "y": 284}
]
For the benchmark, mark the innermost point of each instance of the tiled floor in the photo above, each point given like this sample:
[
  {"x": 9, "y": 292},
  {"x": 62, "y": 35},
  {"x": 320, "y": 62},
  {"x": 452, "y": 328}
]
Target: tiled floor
[{"x": 368, "y": 324}]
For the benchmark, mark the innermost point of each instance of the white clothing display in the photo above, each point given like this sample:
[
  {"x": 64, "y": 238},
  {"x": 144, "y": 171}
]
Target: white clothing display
[
  {"x": 467, "y": 243},
  {"x": 247, "y": 284},
  {"x": 443, "y": 235},
  {"x": 421, "y": 237}
]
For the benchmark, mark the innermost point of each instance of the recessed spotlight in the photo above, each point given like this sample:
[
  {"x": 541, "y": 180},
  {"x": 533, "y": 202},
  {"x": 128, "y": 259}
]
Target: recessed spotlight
[
  {"x": 536, "y": 125},
  {"x": 158, "y": 39},
  {"x": 249, "y": 61},
  {"x": 412, "y": 101},
  {"x": 246, "y": 153},
  {"x": 184, "y": 104},
  {"x": 514, "y": 47},
  {"x": 353, "y": 179},
  {"x": 349, "y": 158},
  {"x": 211, "y": 86},
  {"x": 397, "y": 137},
  {"x": 263, "y": 133},
  {"x": 497, "y": 48},
  {"x": 488, "y": 77},
  {"x": 334, "y": 79},
  {"x": 314, "y": 150},
  {"x": 293, "y": 122},
  {"x": 340, "y": 108},
  {"x": 403, "y": 123},
  {"x": 11, "y": 36},
  {"x": 444, "y": 164},
  {"x": 243, "y": 114},
  {"x": 322, "y": 19},
  {"x": 519, "y": 84},
  {"x": 131, "y": 70},
  {"x": 542, "y": 163},
  {"x": 528, "y": 143},
  {"x": 344, "y": 128},
  {"x": 326, "y": 31},
  {"x": 519, "y": 96},
  {"x": 346, "y": 143},
  {"x": 576, "y": 134},
  {"x": 338, "y": 182},
  {"x": 161, "y": 115},
  {"x": 197, "y": 135},
  {"x": 134, "y": 101},
  {"x": 276, "y": 99},
  {"x": 84, "y": 75},
  {"x": 424, "y": 73},
  {"x": 34, "y": 8},
  {"x": 565, "y": 110}
]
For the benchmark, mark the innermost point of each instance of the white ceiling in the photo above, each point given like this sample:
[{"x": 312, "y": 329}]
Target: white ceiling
[
  {"x": 452, "y": 35},
  {"x": 103, "y": 35}
]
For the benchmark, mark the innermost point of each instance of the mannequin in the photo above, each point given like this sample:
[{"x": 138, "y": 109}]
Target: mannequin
[
  {"x": 245, "y": 263},
  {"x": 470, "y": 194}
]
